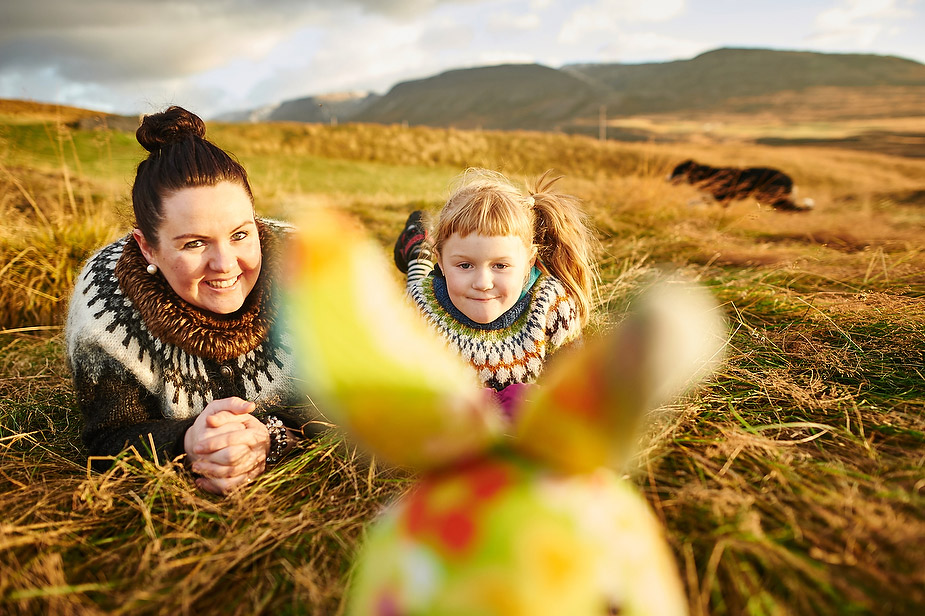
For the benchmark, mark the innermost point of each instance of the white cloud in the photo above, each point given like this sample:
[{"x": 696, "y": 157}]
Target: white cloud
[
  {"x": 852, "y": 10},
  {"x": 75, "y": 52},
  {"x": 361, "y": 54},
  {"x": 438, "y": 37},
  {"x": 856, "y": 22},
  {"x": 137, "y": 42},
  {"x": 117, "y": 40},
  {"x": 644, "y": 46},
  {"x": 511, "y": 21},
  {"x": 605, "y": 17}
]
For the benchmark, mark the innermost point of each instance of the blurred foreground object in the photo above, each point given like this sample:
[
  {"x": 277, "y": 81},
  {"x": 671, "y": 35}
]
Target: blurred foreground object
[{"x": 528, "y": 520}]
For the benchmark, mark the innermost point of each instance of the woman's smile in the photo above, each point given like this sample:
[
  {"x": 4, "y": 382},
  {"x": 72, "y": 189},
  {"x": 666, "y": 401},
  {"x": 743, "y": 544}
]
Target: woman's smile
[{"x": 222, "y": 284}]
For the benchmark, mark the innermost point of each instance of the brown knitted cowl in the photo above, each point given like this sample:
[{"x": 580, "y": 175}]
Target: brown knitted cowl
[{"x": 200, "y": 332}]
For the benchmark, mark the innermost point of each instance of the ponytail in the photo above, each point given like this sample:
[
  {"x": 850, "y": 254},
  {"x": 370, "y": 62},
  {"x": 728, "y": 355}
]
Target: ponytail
[{"x": 565, "y": 242}]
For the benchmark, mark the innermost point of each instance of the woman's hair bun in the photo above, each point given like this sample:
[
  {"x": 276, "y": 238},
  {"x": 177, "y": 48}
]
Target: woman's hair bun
[{"x": 173, "y": 125}]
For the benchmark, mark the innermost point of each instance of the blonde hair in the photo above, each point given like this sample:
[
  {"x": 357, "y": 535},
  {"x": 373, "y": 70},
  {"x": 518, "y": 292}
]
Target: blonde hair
[{"x": 487, "y": 203}]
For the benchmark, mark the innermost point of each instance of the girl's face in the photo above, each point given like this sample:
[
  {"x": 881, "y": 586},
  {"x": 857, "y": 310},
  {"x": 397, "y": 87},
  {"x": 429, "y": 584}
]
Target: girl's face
[
  {"x": 209, "y": 251},
  {"x": 485, "y": 275}
]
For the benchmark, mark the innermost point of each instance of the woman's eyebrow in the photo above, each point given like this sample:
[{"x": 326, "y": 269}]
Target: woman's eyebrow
[{"x": 198, "y": 236}]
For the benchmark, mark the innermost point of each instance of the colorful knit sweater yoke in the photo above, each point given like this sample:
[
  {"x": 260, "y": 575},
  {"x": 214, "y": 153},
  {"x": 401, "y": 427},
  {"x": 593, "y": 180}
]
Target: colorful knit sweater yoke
[
  {"x": 120, "y": 313},
  {"x": 514, "y": 347}
]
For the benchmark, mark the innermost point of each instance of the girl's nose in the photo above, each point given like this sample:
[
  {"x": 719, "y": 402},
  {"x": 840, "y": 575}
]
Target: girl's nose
[{"x": 483, "y": 280}]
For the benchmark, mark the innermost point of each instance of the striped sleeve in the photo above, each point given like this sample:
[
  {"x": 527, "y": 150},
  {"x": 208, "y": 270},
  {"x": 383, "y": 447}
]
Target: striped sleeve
[{"x": 418, "y": 270}]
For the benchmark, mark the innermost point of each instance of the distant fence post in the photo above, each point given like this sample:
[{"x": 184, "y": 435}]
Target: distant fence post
[{"x": 602, "y": 124}]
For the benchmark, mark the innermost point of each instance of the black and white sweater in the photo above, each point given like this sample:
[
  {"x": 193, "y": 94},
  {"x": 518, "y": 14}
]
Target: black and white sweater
[
  {"x": 514, "y": 347},
  {"x": 145, "y": 363}
]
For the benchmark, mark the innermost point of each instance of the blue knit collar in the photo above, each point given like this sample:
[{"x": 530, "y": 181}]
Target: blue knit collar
[
  {"x": 531, "y": 280},
  {"x": 504, "y": 321}
]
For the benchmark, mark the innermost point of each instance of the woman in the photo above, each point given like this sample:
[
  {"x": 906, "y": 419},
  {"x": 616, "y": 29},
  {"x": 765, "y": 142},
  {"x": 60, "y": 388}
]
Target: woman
[{"x": 170, "y": 333}]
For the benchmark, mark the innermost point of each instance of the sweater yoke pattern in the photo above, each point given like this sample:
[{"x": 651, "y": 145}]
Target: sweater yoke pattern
[
  {"x": 103, "y": 320},
  {"x": 517, "y": 352}
]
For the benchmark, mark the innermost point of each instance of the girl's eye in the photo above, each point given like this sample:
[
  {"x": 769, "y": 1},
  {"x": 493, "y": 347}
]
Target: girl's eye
[
  {"x": 464, "y": 265},
  {"x": 501, "y": 266},
  {"x": 240, "y": 235},
  {"x": 193, "y": 244}
]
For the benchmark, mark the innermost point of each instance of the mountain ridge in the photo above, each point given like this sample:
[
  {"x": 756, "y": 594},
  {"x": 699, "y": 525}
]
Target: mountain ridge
[{"x": 539, "y": 97}]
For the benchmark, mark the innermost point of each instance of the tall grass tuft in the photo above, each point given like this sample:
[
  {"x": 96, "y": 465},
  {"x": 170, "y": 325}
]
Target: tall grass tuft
[{"x": 54, "y": 217}]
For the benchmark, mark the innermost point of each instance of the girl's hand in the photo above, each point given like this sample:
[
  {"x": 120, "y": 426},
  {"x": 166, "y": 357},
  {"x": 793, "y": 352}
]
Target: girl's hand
[{"x": 227, "y": 445}]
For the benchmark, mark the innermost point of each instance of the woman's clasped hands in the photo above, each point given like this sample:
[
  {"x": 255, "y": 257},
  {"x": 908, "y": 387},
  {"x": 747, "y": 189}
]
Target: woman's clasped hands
[{"x": 227, "y": 446}]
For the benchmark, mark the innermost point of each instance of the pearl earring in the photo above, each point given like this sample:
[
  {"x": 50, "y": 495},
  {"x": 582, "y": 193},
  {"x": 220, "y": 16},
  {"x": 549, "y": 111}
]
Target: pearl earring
[{"x": 151, "y": 269}]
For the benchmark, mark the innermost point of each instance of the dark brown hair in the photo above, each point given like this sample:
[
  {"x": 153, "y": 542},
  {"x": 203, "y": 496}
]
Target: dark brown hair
[{"x": 179, "y": 157}]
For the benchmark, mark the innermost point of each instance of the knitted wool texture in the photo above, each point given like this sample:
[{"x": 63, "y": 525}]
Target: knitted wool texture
[
  {"x": 512, "y": 349},
  {"x": 120, "y": 312}
]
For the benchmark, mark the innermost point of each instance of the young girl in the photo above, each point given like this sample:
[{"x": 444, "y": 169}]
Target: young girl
[{"x": 513, "y": 280}]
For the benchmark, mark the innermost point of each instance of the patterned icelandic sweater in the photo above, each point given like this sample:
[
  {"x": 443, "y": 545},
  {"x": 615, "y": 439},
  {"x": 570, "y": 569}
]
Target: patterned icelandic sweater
[
  {"x": 514, "y": 347},
  {"x": 145, "y": 363}
]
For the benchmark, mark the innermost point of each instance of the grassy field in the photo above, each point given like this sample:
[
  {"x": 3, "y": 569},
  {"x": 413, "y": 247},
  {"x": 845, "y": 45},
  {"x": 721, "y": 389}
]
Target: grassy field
[{"x": 792, "y": 483}]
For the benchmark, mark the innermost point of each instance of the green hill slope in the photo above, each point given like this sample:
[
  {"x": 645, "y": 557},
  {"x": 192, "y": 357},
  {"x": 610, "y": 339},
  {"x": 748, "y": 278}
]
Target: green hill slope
[
  {"x": 542, "y": 98},
  {"x": 527, "y": 96},
  {"x": 711, "y": 79}
]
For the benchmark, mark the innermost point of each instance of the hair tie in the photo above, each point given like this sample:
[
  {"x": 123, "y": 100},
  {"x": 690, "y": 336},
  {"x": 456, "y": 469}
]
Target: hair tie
[{"x": 530, "y": 201}]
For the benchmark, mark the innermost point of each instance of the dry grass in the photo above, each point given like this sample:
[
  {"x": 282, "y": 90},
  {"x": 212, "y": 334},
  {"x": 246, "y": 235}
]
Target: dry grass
[
  {"x": 800, "y": 469},
  {"x": 141, "y": 539},
  {"x": 791, "y": 484}
]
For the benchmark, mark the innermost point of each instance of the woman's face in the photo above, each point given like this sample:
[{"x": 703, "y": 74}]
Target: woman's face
[
  {"x": 208, "y": 249},
  {"x": 485, "y": 275}
]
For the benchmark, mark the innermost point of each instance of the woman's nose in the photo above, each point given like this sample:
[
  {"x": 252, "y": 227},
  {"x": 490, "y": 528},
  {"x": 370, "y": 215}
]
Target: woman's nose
[{"x": 222, "y": 258}]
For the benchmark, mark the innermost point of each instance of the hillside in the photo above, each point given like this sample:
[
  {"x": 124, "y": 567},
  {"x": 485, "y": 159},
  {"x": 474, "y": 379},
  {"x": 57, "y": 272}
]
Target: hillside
[
  {"x": 526, "y": 96},
  {"x": 712, "y": 79},
  {"x": 536, "y": 97},
  {"x": 316, "y": 109}
]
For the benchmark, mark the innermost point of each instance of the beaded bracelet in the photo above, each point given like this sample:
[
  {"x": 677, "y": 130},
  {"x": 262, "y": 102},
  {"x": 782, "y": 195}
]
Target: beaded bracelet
[{"x": 279, "y": 439}]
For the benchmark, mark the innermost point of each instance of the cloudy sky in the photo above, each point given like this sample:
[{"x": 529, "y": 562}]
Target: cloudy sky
[{"x": 136, "y": 56}]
